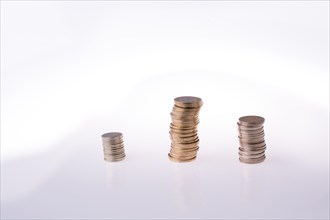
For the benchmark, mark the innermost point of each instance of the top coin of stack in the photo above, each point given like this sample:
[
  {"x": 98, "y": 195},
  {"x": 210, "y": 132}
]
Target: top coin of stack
[
  {"x": 183, "y": 129},
  {"x": 113, "y": 146},
  {"x": 251, "y": 138}
]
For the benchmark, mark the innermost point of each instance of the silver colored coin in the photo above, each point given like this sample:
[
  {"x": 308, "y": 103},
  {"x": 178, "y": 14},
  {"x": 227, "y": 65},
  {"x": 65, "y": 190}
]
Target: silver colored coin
[
  {"x": 110, "y": 159},
  {"x": 251, "y": 120},
  {"x": 250, "y": 141},
  {"x": 113, "y": 146},
  {"x": 252, "y": 161},
  {"x": 112, "y": 135},
  {"x": 249, "y": 128},
  {"x": 252, "y": 150},
  {"x": 251, "y": 138},
  {"x": 251, "y": 156}
]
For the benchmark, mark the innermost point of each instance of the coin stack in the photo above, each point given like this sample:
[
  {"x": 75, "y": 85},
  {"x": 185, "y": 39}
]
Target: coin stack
[
  {"x": 183, "y": 129},
  {"x": 113, "y": 146},
  {"x": 251, "y": 138}
]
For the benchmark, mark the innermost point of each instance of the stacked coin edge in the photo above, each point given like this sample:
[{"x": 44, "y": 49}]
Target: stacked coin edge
[
  {"x": 113, "y": 146},
  {"x": 183, "y": 129},
  {"x": 251, "y": 138}
]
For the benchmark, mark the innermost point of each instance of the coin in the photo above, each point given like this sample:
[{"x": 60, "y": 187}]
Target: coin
[
  {"x": 188, "y": 101},
  {"x": 183, "y": 128},
  {"x": 180, "y": 159},
  {"x": 252, "y": 161},
  {"x": 251, "y": 120},
  {"x": 251, "y": 138},
  {"x": 113, "y": 147}
]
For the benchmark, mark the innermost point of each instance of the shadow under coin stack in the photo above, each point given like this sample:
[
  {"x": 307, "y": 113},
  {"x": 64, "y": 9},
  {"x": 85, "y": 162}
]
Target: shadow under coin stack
[
  {"x": 183, "y": 129},
  {"x": 251, "y": 138},
  {"x": 113, "y": 146}
]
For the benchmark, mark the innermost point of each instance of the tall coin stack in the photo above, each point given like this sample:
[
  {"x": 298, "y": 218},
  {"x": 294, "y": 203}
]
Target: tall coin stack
[
  {"x": 251, "y": 138},
  {"x": 113, "y": 146},
  {"x": 183, "y": 129}
]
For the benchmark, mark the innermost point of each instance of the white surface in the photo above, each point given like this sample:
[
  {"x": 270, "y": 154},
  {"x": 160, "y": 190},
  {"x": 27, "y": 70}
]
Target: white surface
[{"x": 71, "y": 71}]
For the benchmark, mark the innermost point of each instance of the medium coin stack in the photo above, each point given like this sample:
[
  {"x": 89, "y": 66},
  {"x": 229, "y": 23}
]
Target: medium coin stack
[
  {"x": 113, "y": 146},
  {"x": 251, "y": 138},
  {"x": 183, "y": 129}
]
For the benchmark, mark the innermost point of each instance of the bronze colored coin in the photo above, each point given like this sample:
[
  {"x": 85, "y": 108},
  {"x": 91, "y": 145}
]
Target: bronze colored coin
[
  {"x": 178, "y": 154},
  {"x": 180, "y": 160},
  {"x": 185, "y": 109},
  {"x": 184, "y": 137},
  {"x": 251, "y": 120},
  {"x": 184, "y": 148},
  {"x": 187, "y": 158},
  {"x": 183, "y": 128},
  {"x": 183, "y": 155},
  {"x": 187, "y": 145},
  {"x": 192, "y": 149},
  {"x": 183, "y": 141},
  {"x": 183, "y": 116},
  {"x": 183, "y": 123},
  {"x": 188, "y": 101},
  {"x": 185, "y": 112},
  {"x": 179, "y": 134},
  {"x": 184, "y": 132},
  {"x": 189, "y": 106},
  {"x": 191, "y": 139}
]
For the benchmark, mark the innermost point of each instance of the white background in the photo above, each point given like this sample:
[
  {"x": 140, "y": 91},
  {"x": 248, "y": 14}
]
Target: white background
[{"x": 71, "y": 71}]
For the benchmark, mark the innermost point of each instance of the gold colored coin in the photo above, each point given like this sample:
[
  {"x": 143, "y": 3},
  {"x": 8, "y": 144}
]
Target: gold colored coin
[{"x": 183, "y": 128}]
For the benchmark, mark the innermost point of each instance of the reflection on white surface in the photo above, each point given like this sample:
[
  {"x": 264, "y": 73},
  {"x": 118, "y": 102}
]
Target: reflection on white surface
[
  {"x": 74, "y": 77},
  {"x": 187, "y": 189},
  {"x": 73, "y": 181}
]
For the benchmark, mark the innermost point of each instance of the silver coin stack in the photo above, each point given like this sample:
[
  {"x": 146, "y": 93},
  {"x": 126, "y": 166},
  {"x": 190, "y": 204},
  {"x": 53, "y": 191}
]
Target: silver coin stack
[
  {"x": 251, "y": 138},
  {"x": 113, "y": 146}
]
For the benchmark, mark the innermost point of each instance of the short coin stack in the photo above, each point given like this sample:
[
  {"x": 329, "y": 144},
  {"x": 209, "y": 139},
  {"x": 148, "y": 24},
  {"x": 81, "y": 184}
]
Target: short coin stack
[
  {"x": 183, "y": 129},
  {"x": 251, "y": 138},
  {"x": 113, "y": 146}
]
